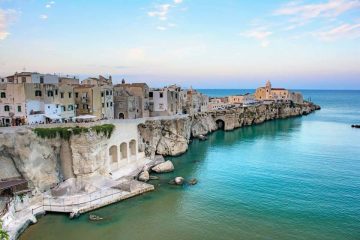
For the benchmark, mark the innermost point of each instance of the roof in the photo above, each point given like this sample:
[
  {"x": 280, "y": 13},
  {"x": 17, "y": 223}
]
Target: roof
[
  {"x": 11, "y": 183},
  {"x": 278, "y": 89}
]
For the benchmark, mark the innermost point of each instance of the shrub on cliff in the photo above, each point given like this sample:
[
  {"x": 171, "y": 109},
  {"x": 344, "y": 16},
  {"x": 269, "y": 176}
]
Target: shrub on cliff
[
  {"x": 3, "y": 234},
  {"x": 66, "y": 132}
]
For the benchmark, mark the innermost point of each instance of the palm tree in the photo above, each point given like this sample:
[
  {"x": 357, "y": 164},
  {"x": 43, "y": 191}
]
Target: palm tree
[{"x": 3, "y": 234}]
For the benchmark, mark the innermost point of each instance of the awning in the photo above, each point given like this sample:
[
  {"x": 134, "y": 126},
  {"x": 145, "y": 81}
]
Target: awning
[
  {"x": 52, "y": 116},
  {"x": 85, "y": 117}
]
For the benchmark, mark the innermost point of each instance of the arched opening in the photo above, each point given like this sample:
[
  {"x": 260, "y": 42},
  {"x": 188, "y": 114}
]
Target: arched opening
[
  {"x": 123, "y": 151},
  {"x": 113, "y": 154},
  {"x": 121, "y": 116},
  {"x": 220, "y": 124},
  {"x": 132, "y": 147}
]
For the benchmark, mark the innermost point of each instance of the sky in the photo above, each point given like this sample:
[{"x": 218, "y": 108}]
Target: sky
[{"x": 200, "y": 43}]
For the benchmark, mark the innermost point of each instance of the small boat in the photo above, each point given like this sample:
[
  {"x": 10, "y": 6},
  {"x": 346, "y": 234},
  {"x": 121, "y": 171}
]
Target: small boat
[
  {"x": 93, "y": 217},
  {"x": 355, "y": 126},
  {"x": 202, "y": 137}
]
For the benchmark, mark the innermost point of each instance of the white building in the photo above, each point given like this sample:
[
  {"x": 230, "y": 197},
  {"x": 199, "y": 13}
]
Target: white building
[
  {"x": 164, "y": 101},
  {"x": 33, "y": 77}
]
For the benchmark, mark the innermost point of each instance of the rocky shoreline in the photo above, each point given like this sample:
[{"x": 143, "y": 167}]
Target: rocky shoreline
[
  {"x": 40, "y": 161},
  {"x": 172, "y": 137}
]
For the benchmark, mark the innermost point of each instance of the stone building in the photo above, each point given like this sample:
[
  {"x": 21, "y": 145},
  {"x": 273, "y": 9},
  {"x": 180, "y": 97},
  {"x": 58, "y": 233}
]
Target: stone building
[
  {"x": 33, "y": 77},
  {"x": 94, "y": 100},
  {"x": 131, "y": 100},
  {"x": 276, "y": 94},
  {"x": 164, "y": 101},
  {"x": 245, "y": 99},
  {"x": 100, "y": 81},
  {"x": 69, "y": 80},
  {"x": 195, "y": 102},
  {"x": 12, "y": 104}
]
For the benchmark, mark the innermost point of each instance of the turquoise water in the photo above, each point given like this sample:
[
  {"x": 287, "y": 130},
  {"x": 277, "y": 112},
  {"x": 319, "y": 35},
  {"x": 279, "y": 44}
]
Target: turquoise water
[{"x": 297, "y": 178}]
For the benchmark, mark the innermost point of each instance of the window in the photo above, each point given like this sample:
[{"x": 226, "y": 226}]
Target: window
[
  {"x": 62, "y": 95},
  {"x": 76, "y": 94},
  {"x": 41, "y": 79},
  {"x": 23, "y": 79},
  {"x": 3, "y": 95},
  {"x": 84, "y": 106},
  {"x": 103, "y": 104},
  {"x": 77, "y": 106},
  {"x": 6, "y": 108},
  {"x": 151, "y": 94},
  {"x": 57, "y": 105},
  {"x": 19, "y": 108},
  {"x": 50, "y": 93},
  {"x": 38, "y": 93},
  {"x": 63, "y": 108},
  {"x": 161, "y": 95},
  {"x": 70, "y": 108},
  {"x": 69, "y": 94},
  {"x": 110, "y": 104},
  {"x": 110, "y": 92},
  {"x": 107, "y": 93},
  {"x": 102, "y": 94},
  {"x": 107, "y": 104},
  {"x": 56, "y": 92}
]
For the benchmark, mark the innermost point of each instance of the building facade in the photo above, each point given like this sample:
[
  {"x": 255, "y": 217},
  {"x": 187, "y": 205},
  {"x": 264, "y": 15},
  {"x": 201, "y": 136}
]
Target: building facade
[{"x": 277, "y": 94}]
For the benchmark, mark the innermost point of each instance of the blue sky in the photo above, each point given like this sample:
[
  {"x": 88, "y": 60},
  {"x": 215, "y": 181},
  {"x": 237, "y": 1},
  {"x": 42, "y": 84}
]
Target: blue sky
[{"x": 199, "y": 43}]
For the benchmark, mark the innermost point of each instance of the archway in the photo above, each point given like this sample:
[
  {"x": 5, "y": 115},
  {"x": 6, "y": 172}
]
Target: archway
[
  {"x": 121, "y": 116},
  {"x": 113, "y": 156},
  {"x": 123, "y": 151},
  {"x": 220, "y": 124},
  {"x": 132, "y": 147}
]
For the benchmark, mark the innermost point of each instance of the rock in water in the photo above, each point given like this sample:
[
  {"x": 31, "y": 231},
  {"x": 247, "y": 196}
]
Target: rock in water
[
  {"x": 164, "y": 167},
  {"x": 154, "y": 177},
  {"x": 144, "y": 176},
  {"x": 193, "y": 181},
  {"x": 93, "y": 217},
  {"x": 179, "y": 180}
]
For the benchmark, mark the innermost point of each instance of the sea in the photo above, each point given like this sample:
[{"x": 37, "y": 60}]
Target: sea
[{"x": 296, "y": 178}]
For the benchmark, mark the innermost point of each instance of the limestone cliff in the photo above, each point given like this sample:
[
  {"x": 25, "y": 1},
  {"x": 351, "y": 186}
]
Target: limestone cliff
[{"x": 171, "y": 137}]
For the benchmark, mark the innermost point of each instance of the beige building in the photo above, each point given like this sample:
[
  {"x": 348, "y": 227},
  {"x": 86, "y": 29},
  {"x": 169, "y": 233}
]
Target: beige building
[
  {"x": 12, "y": 104},
  {"x": 277, "y": 94},
  {"x": 100, "y": 81},
  {"x": 131, "y": 100},
  {"x": 69, "y": 80},
  {"x": 94, "y": 100}
]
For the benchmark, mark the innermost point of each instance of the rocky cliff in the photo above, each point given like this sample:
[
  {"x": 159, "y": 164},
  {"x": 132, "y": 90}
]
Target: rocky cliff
[
  {"x": 172, "y": 136},
  {"x": 45, "y": 162}
]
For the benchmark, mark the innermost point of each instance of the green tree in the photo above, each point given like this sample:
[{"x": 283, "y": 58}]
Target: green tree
[{"x": 3, "y": 234}]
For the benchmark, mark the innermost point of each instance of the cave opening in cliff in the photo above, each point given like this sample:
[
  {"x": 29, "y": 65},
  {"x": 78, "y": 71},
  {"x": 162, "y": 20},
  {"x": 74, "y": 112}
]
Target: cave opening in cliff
[{"x": 220, "y": 124}]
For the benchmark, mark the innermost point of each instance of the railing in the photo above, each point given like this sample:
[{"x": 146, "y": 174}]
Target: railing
[{"x": 86, "y": 202}]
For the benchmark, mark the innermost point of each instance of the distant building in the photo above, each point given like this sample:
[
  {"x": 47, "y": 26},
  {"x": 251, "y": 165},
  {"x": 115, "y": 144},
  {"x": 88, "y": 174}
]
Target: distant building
[
  {"x": 195, "y": 102},
  {"x": 217, "y": 104},
  {"x": 277, "y": 94},
  {"x": 131, "y": 100}
]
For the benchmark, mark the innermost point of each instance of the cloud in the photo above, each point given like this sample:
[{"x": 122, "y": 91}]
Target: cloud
[
  {"x": 48, "y": 5},
  {"x": 260, "y": 35},
  {"x": 351, "y": 31},
  {"x": 161, "y": 28},
  {"x": 136, "y": 54},
  {"x": 43, "y": 17},
  {"x": 331, "y": 8},
  {"x": 161, "y": 12},
  {"x": 7, "y": 17}
]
